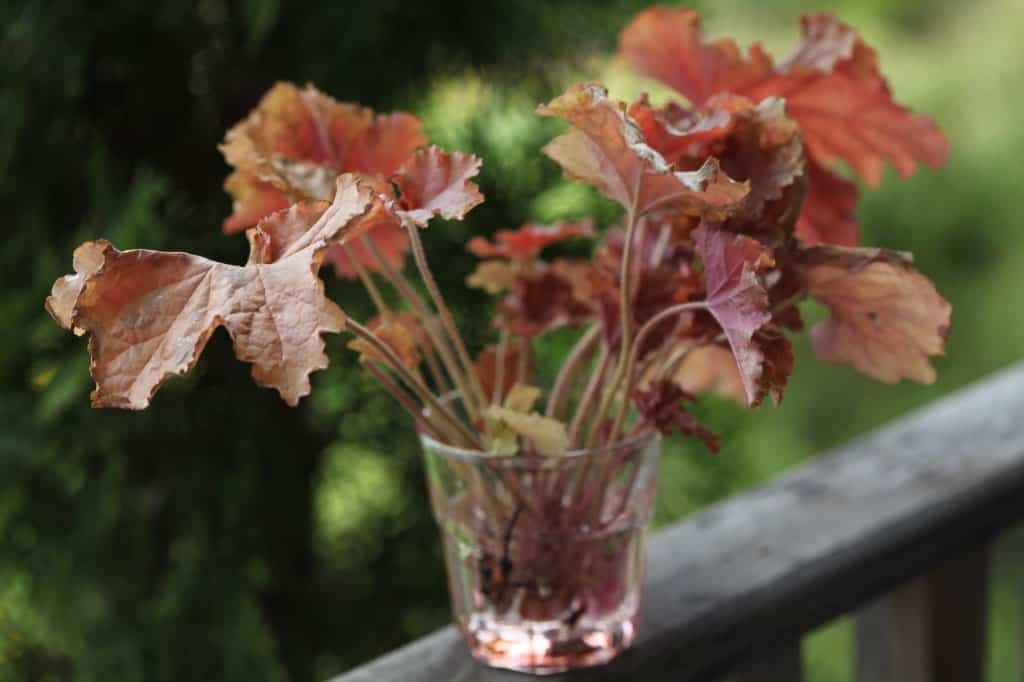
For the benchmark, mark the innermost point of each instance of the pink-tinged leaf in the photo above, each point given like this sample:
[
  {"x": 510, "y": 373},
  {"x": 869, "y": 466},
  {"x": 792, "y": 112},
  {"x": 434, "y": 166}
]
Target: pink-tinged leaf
[
  {"x": 150, "y": 313},
  {"x": 667, "y": 44},
  {"x": 886, "y": 320},
  {"x": 434, "y": 183},
  {"x": 737, "y": 300},
  {"x": 606, "y": 149},
  {"x": 529, "y": 240},
  {"x": 663, "y": 407},
  {"x": 828, "y": 214}
]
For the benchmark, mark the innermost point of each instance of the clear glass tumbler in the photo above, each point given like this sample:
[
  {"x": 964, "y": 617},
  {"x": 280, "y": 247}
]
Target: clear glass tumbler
[{"x": 545, "y": 555}]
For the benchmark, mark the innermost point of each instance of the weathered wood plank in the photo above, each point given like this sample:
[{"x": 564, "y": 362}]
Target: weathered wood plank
[
  {"x": 930, "y": 630},
  {"x": 761, "y": 568}
]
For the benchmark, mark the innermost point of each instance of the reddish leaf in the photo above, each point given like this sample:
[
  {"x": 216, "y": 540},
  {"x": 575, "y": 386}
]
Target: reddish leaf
[
  {"x": 677, "y": 132},
  {"x": 778, "y": 361},
  {"x": 433, "y": 183},
  {"x": 667, "y": 44},
  {"x": 293, "y": 146},
  {"x": 540, "y": 302},
  {"x": 829, "y": 44},
  {"x": 832, "y": 86},
  {"x": 831, "y": 83},
  {"x": 662, "y": 405},
  {"x": 151, "y": 313},
  {"x": 828, "y": 212},
  {"x": 764, "y": 149},
  {"x": 606, "y": 149},
  {"x": 756, "y": 143},
  {"x": 887, "y": 319},
  {"x": 529, "y": 240},
  {"x": 737, "y": 299},
  {"x": 857, "y": 121},
  {"x": 299, "y": 139}
]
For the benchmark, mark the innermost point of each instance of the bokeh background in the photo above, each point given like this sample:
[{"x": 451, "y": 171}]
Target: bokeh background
[{"x": 221, "y": 535}]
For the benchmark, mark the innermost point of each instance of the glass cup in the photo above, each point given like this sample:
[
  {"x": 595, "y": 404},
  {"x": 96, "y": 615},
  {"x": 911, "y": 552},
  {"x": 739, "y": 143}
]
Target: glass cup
[{"x": 545, "y": 555}]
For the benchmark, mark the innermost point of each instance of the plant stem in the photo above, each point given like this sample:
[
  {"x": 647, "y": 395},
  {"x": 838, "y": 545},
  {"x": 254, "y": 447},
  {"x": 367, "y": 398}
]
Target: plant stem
[
  {"x": 447, "y": 321},
  {"x": 368, "y": 283},
  {"x": 674, "y": 362},
  {"x": 648, "y": 327},
  {"x": 402, "y": 396},
  {"x": 413, "y": 300},
  {"x": 589, "y": 394},
  {"x": 523, "y": 359},
  {"x": 626, "y": 323},
  {"x": 499, "y": 368},
  {"x": 578, "y": 357},
  {"x": 422, "y": 392},
  {"x": 435, "y": 371}
]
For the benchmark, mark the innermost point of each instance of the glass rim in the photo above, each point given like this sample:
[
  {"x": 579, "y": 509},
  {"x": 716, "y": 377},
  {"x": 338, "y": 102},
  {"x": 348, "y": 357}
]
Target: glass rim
[{"x": 474, "y": 455}]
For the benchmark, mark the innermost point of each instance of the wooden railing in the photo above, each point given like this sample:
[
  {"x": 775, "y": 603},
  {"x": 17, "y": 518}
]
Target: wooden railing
[{"x": 894, "y": 527}]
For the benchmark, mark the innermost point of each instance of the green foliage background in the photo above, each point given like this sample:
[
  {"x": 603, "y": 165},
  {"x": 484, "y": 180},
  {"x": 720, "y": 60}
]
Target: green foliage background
[{"x": 223, "y": 536}]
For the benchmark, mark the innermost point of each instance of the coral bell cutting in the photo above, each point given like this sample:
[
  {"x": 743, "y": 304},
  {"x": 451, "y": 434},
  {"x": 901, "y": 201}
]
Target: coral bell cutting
[{"x": 733, "y": 212}]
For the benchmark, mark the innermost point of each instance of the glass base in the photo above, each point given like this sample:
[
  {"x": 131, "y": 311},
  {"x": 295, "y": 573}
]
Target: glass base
[{"x": 545, "y": 648}]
